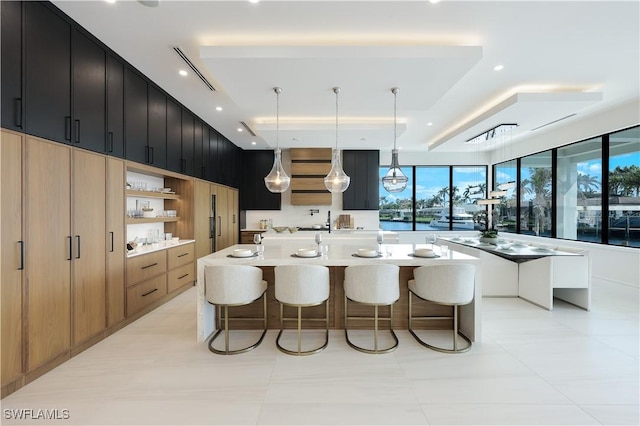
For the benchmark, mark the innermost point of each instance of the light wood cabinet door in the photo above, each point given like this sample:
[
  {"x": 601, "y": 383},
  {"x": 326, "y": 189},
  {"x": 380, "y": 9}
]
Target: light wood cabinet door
[
  {"x": 11, "y": 255},
  {"x": 235, "y": 217},
  {"x": 89, "y": 245},
  {"x": 48, "y": 247},
  {"x": 115, "y": 241},
  {"x": 222, "y": 213},
  {"x": 178, "y": 256},
  {"x": 202, "y": 218}
]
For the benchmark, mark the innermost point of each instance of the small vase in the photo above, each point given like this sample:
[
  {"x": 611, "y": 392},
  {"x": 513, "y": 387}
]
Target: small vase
[{"x": 488, "y": 240}]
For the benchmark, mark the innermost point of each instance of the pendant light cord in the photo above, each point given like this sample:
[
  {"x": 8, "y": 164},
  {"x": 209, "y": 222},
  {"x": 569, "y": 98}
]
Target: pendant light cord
[
  {"x": 336, "y": 90},
  {"x": 395, "y": 105},
  {"x": 277, "y": 118}
]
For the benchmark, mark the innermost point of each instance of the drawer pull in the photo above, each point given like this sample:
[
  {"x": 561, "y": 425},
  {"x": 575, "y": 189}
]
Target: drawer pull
[
  {"x": 149, "y": 292},
  {"x": 149, "y": 266},
  {"x": 185, "y": 275},
  {"x": 183, "y": 254}
]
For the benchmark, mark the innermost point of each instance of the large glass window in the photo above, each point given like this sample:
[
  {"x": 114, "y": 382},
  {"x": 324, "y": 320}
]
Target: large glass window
[
  {"x": 624, "y": 188},
  {"x": 469, "y": 185},
  {"x": 432, "y": 198},
  {"x": 505, "y": 178},
  {"x": 535, "y": 194},
  {"x": 579, "y": 191},
  {"x": 396, "y": 208}
]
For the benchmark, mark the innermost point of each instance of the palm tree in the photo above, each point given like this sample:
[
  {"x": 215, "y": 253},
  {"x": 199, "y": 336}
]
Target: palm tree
[
  {"x": 538, "y": 184},
  {"x": 586, "y": 184},
  {"x": 443, "y": 195}
]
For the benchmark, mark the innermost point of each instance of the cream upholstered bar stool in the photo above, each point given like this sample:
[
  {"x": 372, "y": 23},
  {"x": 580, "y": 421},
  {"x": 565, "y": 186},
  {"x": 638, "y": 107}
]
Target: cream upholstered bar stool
[
  {"x": 302, "y": 286},
  {"x": 376, "y": 285},
  {"x": 444, "y": 285},
  {"x": 234, "y": 285}
]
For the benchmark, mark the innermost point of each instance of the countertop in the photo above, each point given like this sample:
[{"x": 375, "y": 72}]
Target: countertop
[{"x": 150, "y": 248}]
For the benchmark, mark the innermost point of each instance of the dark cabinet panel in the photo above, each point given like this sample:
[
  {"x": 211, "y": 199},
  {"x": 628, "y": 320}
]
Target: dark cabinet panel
[
  {"x": 254, "y": 194},
  {"x": 89, "y": 92},
  {"x": 198, "y": 163},
  {"x": 174, "y": 136},
  {"x": 187, "y": 143},
  {"x": 11, "y": 75},
  {"x": 115, "y": 107},
  {"x": 212, "y": 163},
  {"x": 157, "y": 143},
  {"x": 363, "y": 192},
  {"x": 135, "y": 113},
  {"x": 47, "y": 59}
]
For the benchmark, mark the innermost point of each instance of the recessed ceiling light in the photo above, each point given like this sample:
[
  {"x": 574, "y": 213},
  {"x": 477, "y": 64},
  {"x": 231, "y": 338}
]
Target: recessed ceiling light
[
  {"x": 182, "y": 73},
  {"x": 295, "y": 139},
  {"x": 110, "y": 1},
  {"x": 429, "y": 124},
  {"x": 239, "y": 129},
  {"x": 498, "y": 68},
  {"x": 253, "y": 142},
  {"x": 254, "y": 1},
  {"x": 434, "y": 1},
  {"x": 218, "y": 108}
]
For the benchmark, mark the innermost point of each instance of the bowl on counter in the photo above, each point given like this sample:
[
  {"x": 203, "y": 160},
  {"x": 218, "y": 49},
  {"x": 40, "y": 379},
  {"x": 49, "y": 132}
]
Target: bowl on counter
[
  {"x": 307, "y": 252},
  {"x": 367, "y": 252},
  {"x": 242, "y": 253},
  {"x": 423, "y": 252},
  {"x": 280, "y": 229}
]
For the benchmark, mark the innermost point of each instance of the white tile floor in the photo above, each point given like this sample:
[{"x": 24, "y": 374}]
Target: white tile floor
[{"x": 537, "y": 367}]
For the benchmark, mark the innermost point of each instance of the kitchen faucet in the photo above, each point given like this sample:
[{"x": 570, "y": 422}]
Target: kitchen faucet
[{"x": 329, "y": 220}]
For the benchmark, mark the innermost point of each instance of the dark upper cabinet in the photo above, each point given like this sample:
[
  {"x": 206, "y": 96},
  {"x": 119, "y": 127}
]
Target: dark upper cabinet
[
  {"x": 254, "y": 195},
  {"x": 115, "y": 107},
  {"x": 135, "y": 117},
  {"x": 212, "y": 163},
  {"x": 47, "y": 73},
  {"x": 174, "y": 136},
  {"x": 362, "y": 167},
  {"x": 89, "y": 94},
  {"x": 11, "y": 108},
  {"x": 198, "y": 163},
  {"x": 157, "y": 142},
  {"x": 187, "y": 143}
]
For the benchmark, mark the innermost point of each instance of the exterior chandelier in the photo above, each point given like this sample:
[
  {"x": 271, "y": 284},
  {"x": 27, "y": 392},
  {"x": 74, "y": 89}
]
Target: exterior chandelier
[
  {"x": 394, "y": 180},
  {"x": 337, "y": 180},
  {"x": 277, "y": 180}
]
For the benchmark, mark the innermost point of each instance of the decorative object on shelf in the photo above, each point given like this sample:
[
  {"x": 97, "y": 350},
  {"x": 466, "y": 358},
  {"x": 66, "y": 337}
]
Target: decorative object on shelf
[
  {"x": 394, "y": 180},
  {"x": 277, "y": 180},
  {"x": 337, "y": 180}
]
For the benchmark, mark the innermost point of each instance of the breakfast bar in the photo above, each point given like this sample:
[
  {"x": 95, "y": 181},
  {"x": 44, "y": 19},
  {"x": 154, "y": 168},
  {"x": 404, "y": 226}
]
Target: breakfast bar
[{"x": 337, "y": 257}]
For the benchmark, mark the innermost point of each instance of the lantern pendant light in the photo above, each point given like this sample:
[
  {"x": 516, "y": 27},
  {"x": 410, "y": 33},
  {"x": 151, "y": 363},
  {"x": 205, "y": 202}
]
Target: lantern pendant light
[
  {"x": 337, "y": 180},
  {"x": 394, "y": 180},
  {"x": 277, "y": 180}
]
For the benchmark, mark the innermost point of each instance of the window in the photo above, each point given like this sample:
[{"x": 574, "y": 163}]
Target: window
[
  {"x": 432, "y": 198},
  {"x": 396, "y": 208},
  {"x": 535, "y": 194},
  {"x": 505, "y": 175},
  {"x": 469, "y": 185},
  {"x": 579, "y": 191},
  {"x": 624, "y": 188}
]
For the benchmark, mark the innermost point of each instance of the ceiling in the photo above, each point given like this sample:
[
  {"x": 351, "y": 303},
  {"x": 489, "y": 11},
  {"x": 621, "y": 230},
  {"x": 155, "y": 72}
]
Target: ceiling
[{"x": 561, "y": 60}]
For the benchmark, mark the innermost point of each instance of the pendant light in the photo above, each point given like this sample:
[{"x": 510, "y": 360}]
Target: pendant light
[
  {"x": 394, "y": 180},
  {"x": 277, "y": 180},
  {"x": 337, "y": 180}
]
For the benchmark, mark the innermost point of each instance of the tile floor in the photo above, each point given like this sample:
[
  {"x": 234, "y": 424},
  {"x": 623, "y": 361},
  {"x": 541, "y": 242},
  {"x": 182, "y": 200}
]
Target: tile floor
[{"x": 537, "y": 367}]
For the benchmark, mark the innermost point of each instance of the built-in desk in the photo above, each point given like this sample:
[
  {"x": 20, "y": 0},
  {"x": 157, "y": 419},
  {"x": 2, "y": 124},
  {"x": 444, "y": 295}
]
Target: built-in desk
[
  {"x": 534, "y": 273},
  {"x": 340, "y": 255}
]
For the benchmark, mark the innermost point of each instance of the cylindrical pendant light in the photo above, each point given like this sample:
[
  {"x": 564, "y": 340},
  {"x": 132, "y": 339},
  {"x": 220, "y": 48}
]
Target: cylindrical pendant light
[
  {"x": 337, "y": 180},
  {"x": 277, "y": 180},
  {"x": 394, "y": 180}
]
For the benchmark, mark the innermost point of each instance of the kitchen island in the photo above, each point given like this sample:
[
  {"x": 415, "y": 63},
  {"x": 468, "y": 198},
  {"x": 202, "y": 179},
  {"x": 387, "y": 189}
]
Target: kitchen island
[{"x": 339, "y": 256}]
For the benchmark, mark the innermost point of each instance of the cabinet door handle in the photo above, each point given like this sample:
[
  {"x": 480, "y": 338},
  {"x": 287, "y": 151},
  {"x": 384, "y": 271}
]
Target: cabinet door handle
[
  {"x": 149, "y": 292},
  {"x": 219, "y": 226},
  {"x": 234, "y": 218},
  {"x": 67, "y": 128},
  {"x": 183, "y": 166},
  {"x": 18, "y": 112},
  {"x": 70, "y": 247},
  {"x": 183, "y": 254},
  {"x": 110, "y": 142},
  {"x": 146, "y": 154},
  {"x": 78, "y": 242},
  {"x": 111, "y": 233},
  {"x": 211, "y": 224},
  {"x": 77, "y": 122},
  {"x": 149, "y": 266},
  {"x": 185, "y": 275},
  {"x": 151, "y": 150},
  {"x": 21, "y": 267}
]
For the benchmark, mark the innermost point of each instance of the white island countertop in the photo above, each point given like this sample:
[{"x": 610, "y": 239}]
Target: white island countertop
[{"x": 340, "y": 254}]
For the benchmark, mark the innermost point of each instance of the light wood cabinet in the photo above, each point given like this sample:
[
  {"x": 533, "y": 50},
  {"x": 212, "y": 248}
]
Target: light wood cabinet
[
  {"x": 145, "y": 293},
  {"x": 11, "y": 256},
  {"x": 308, "y": 168},
  {"x": 115, "y": 256},
  {"x": 48, "y": 242},
  {"x": 180, "y": 255},
  {"x": 143, "y": 267},
  {"x": 181, "y": 276},
  {"x": 202, "y": 219},
  {"x": 222, "y": 215},
  {"x": 89, "y": 245}
]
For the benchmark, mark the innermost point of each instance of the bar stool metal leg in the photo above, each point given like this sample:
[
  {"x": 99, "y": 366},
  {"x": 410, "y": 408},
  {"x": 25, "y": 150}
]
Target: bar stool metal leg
[
  {"x": 298, "y": 319},
  {"x": 376, "y": 318}
]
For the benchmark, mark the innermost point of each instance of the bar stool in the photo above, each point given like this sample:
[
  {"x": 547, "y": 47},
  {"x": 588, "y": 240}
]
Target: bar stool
[
  {"x": 234, "y": 285},
  {"x": 451, "y": 285},
  {"x": 302, "y": 286},
  {"x": 376, "y": 285}
]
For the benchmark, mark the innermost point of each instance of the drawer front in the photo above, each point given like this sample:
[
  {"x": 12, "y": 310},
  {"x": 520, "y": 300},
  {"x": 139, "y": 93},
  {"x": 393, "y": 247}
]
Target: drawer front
[
  {"x": 181, "y": 276},
  {"x": 145, "y": 293},
  {"x": 182, "y": 255},
  {"x": 141, "y": 268}
]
